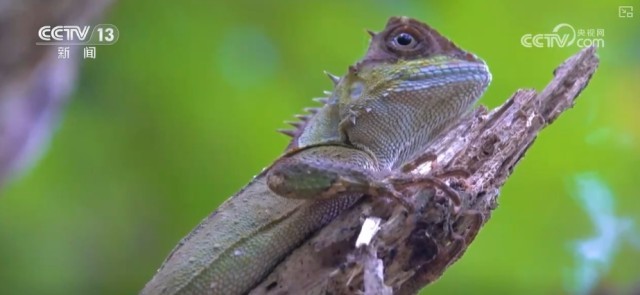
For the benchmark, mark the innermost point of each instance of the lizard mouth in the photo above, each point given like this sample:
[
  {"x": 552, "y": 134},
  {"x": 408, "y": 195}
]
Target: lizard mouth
[
  {"x": 464, "y": 69},
  {"x": 445, "y": 73}
]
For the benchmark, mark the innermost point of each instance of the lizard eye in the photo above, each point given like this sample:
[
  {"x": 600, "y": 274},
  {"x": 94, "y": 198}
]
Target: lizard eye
[
  {"x": 404, "y": 39},
  {"x": 403, "y": 43}
]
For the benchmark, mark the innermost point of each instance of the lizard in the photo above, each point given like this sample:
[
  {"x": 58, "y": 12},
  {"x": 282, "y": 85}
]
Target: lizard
[{"x": 410, "y": 86}]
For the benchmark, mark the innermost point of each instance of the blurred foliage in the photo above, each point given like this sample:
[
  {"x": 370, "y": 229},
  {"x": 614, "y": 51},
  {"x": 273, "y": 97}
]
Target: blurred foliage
[{"x": 181, "y": 113}]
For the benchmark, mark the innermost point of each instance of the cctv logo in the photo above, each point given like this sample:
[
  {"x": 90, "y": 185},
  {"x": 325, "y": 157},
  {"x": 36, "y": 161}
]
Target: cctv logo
[
  {"x": 581, "y": 37},
  {"x": 101, "y": 34},
  {"x": 63, "y": 33}
]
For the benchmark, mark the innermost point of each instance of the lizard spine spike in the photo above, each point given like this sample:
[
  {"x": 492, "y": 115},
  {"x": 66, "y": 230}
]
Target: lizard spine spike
[
  {"x": 303, "y": 117},
  {"x": 327, "y": 93},
  {"x": 372, "y": 33},
  {"x": 311, "y": 110},
  {"x": 287, "y": 132},
  {"x": 335, "y": 79},
  {"x": 322, "y": 100},
  {"x": 296, "y": 124}
]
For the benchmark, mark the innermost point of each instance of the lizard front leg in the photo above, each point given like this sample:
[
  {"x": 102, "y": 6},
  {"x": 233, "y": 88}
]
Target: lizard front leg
[
  {"x": 329, "y": 171},
  {"x": 323, "y": 172}
]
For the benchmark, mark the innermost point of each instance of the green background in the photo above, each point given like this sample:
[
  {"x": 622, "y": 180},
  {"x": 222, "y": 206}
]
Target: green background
[{"x": 180, "y": 113}]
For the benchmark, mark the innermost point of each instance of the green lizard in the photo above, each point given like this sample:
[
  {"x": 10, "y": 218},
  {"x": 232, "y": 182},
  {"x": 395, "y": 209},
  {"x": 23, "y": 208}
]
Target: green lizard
[{"x": 411, "y": 85}]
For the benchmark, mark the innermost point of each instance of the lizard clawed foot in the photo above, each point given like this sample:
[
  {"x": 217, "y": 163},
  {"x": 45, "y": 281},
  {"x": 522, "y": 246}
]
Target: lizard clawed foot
[
  {"x": 431, "y": 181},
  {"x": 394, "y": 185},
  {"x": 387, "y": 188}
]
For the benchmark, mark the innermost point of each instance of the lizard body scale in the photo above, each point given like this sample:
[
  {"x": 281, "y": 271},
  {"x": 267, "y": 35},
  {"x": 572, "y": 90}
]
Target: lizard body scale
[{"x": 411, "y": 84}]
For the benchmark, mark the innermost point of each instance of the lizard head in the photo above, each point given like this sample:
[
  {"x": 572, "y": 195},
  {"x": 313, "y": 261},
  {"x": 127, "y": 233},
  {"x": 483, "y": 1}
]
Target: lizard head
[{"x": 410, "y": 86}]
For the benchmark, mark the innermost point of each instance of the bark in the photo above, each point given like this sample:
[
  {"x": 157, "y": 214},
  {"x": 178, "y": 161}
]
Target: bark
[{"x": 415, "y": 245}]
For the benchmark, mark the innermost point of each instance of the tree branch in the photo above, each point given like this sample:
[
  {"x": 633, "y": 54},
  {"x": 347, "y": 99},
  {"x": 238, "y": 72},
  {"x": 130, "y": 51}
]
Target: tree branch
[
  {"x": 416, "y": 246},
  {"x": 34, "y": 84}
]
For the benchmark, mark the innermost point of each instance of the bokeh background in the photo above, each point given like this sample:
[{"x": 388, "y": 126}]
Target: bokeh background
[{"x": 180, "y": 113}]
